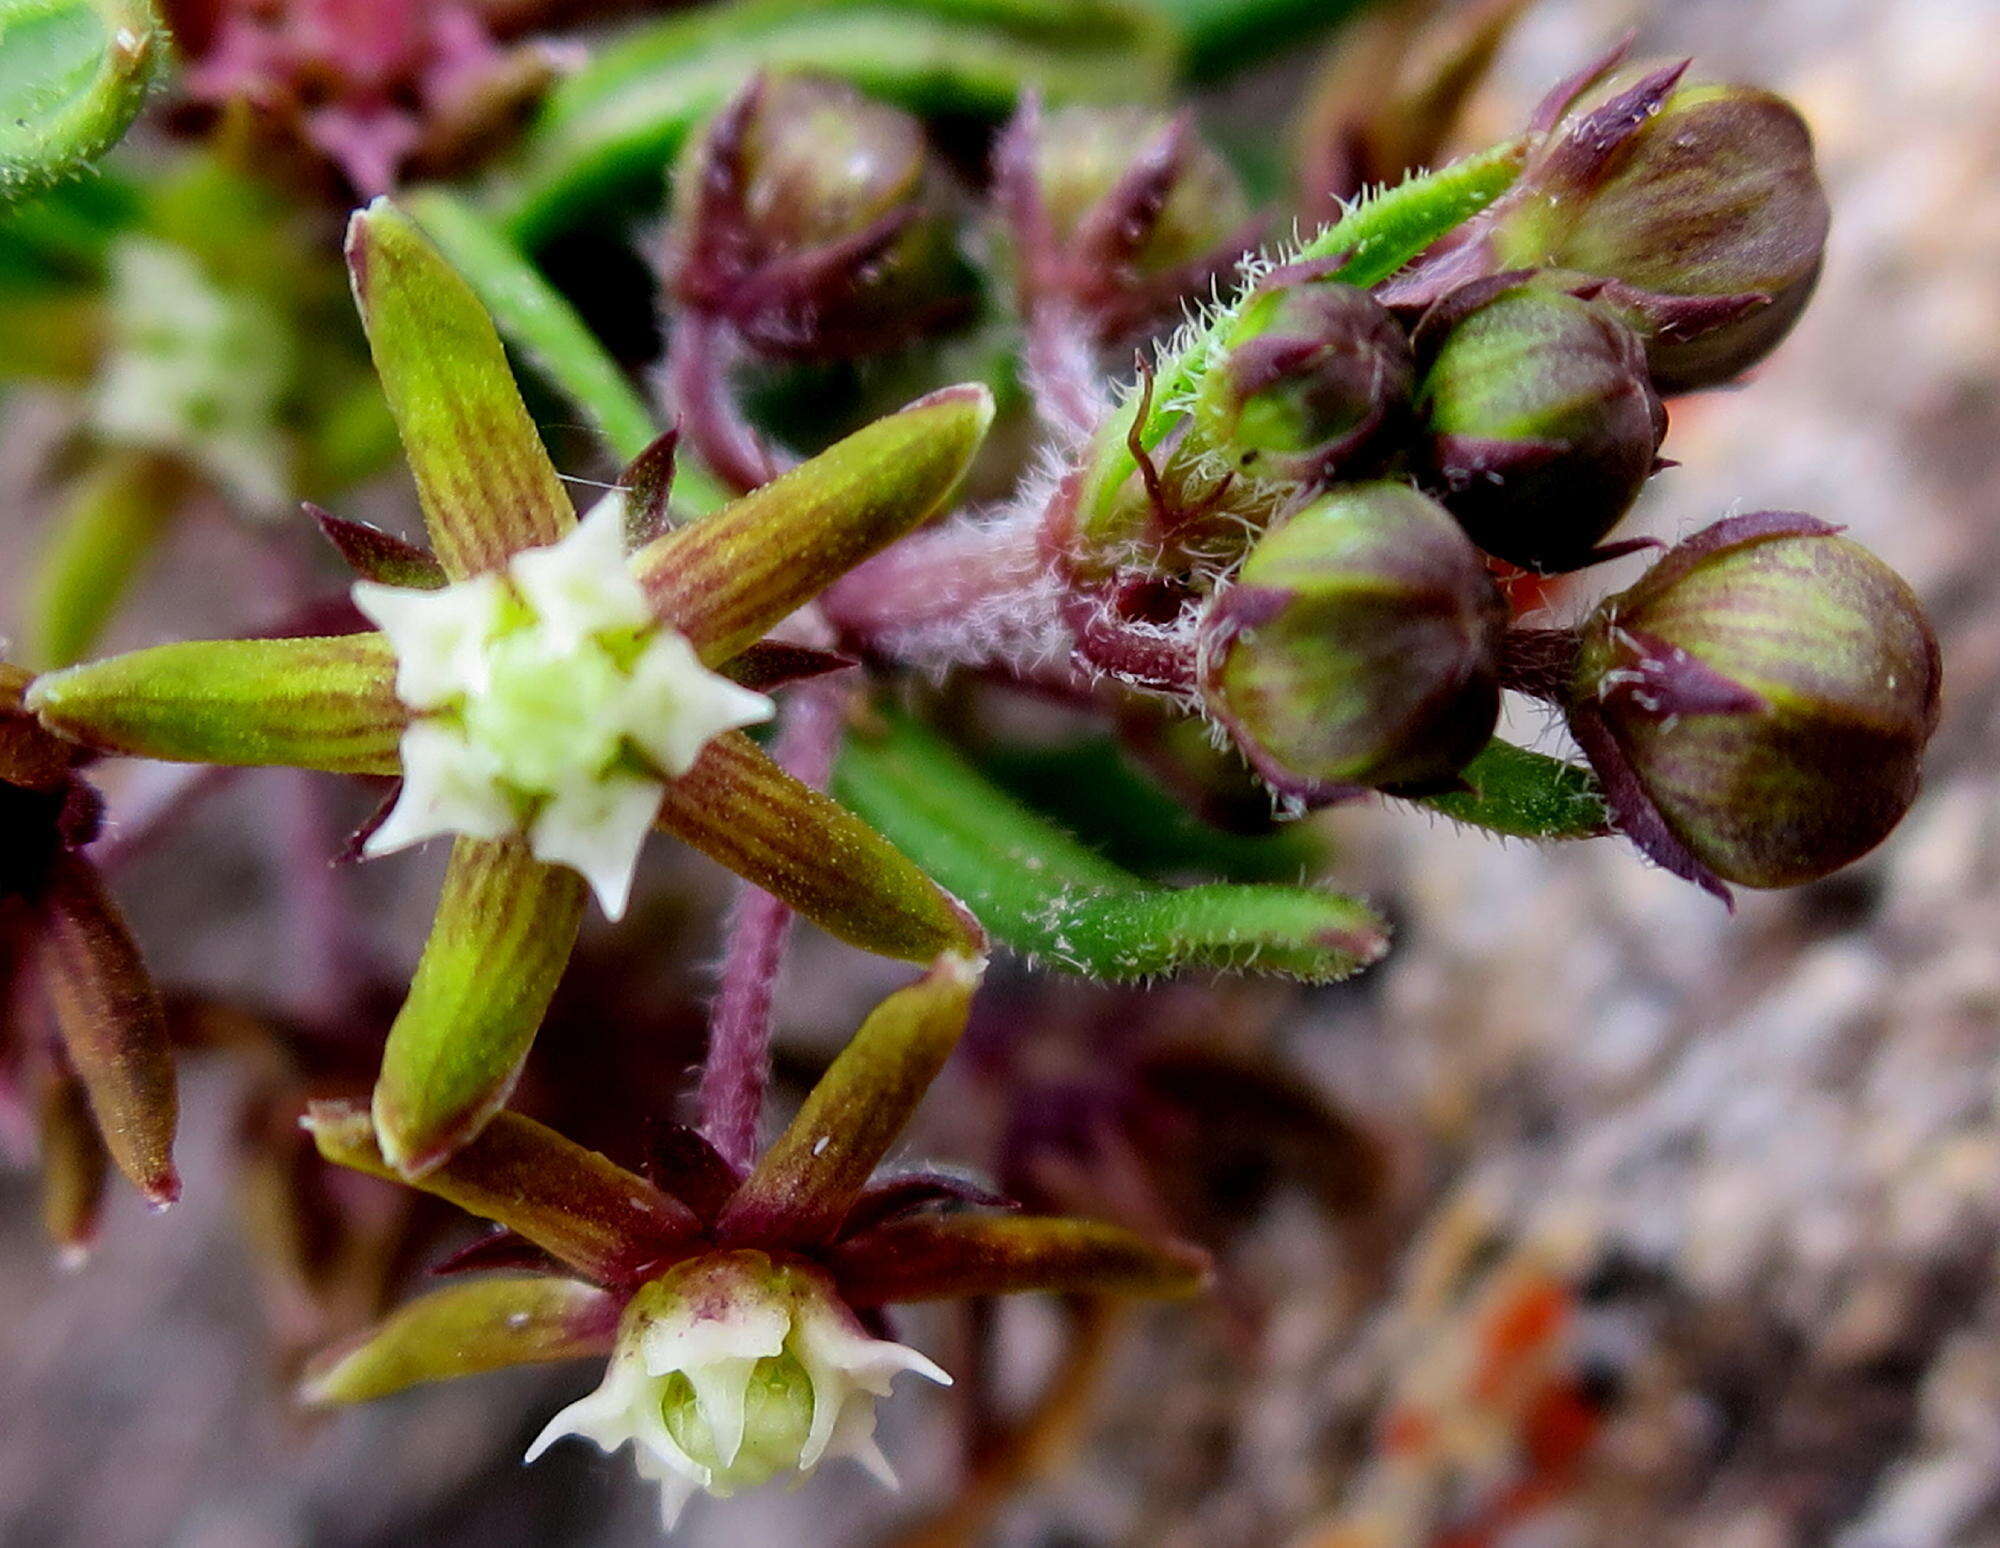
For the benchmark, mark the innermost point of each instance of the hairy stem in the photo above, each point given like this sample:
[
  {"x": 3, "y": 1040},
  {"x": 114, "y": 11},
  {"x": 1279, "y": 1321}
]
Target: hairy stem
[{"x": 738, "y": 1065}]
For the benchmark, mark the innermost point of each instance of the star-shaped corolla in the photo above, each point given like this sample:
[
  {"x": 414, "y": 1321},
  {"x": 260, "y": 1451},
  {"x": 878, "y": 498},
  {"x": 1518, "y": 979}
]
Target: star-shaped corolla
[
  {"x": 548, "y": 703},
  {"x": 731, "y": 1369}
]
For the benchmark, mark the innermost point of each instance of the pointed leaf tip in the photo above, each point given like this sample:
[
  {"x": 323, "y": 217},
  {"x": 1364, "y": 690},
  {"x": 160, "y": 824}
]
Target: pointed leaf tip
[
  {"x": 727, "y": 578},
  {"x": 463, "y": 1330},
  {"x": 486, "y": 484}
]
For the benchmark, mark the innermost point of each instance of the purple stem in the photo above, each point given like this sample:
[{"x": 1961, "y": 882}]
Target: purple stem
[
  {"x": 738, "y": 1066},
  {"x": 1061, "y": 370},
  {"x": 699, "y": 356}
]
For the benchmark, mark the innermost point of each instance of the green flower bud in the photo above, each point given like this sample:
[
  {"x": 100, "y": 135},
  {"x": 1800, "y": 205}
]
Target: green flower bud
[
  {"x": 1311, "y": 379},
  {"x": 1710, "y": 217},
  {"x": 1132, "y": 186},
  {"x": 1540, "y": 425},
  {"x": 1696, "y": 205},
  {"x": 806, "y": 214},
  {"x": 1764, "y": 693},
  {"x": 1359, "y": 647}
]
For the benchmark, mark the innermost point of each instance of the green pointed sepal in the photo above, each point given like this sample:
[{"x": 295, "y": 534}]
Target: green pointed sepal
[
  {"x": 743, "y": 811},
  {"x": 466, "y": 1329},
  {"x": 727, "y": 578},
  {"x": 505, "y": 926},
  {"x": 485, "y": 481},
  {"x": 802, "y": 1189},
  {"x": 609, "y": 1224},
  {"x": 321, "y": 703}
]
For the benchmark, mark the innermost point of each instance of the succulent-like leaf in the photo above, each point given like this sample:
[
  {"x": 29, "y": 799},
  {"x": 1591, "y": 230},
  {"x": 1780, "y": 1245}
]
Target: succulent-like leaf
[
  {"x": 726, "y": 579},
  {"x": 505, "y": 926},
  {"x": 1048, "y": 897},
  {"x": 323, "y": 703},
  {"x": 745, "y": 812},
  {"x": 111, "y": 1027},
  {"x": 597, "y": 1217},
  {"x": 935, "y": 1259},
  {"x": 103, "y": 533},
  {"x": 487, "y": 486},
  {"x": 801, "y": 1191},
  {"x": 73, "y": 76},
  {"x": 617, "y": 121},
  {"x": 1526, "y": 794},
  {"x": 462, "y": 1330}
]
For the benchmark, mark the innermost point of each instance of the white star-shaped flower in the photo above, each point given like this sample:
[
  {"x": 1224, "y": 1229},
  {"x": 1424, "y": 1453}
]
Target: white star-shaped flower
[
  {"x": 551, "y": 699},
  {"x": 731, "y": 1369}
]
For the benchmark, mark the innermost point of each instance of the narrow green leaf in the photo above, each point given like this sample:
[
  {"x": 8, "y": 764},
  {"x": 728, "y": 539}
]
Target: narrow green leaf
[
  {"x": 805, "y": 1184},
  {"x": 938, "y": 1259},
  {"x": 104, "y": 532},
  {"x": 73, "y": 76},
  {"x": 111, "y": 1026},
  {"x": 327, "y": 703},
  {"x": 504, "y": 930},
  {"x": 486, "y": 483},
  {"x": 464, "y": 1330},
  {"x": 1381, "y": 234},
  {"x": 1527, "y": 795},
  {"x": 614, "y": 124},
  {"x": 727, "y": 578},
  {"x": 1050, "y": 898},
  {"x": 743, "y": 811},
  {"x": 609, "y": 1224}
]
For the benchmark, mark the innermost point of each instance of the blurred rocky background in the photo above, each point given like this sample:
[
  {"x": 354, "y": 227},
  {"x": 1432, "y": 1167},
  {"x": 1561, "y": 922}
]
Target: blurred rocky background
[{"x": 1594, "y": 1216}]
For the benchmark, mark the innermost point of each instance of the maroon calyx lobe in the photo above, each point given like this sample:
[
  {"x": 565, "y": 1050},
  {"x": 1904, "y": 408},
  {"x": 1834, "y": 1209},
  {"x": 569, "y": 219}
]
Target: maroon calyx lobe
[
  {"x": 1585, "y": 154},
  {"x": 681, "y": 1161},
  {"x": 648, "y": 482},
  {"x": 894, "y": 1198},
  {"x": 1632, "y": 810},
  {"x": 376, "y": 555},
  {"x": 500, "y": 1249},
  {"x": 1659, "y": 679}
]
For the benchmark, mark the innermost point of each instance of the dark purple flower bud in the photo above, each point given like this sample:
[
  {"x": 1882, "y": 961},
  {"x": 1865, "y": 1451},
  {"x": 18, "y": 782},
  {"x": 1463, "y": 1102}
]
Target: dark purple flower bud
[
  {"x": 1359, "y": 647},
  {"x": 1759, "y": 702},
  {"x": 1120, "y": 213},
  {"x": 1540, "y": 424},
  {"x": 1697, "y": 203},
  {"x": 807, "y": 216},
  {"x": 1312, "y": 381}
]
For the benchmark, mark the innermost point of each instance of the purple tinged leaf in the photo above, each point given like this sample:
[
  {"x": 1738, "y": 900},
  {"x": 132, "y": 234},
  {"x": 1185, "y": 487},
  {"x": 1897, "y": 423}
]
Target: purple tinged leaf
[
  {"x": 743, "y": 811},
  {"x": 325, "y": 703},
  {"x": 805, "y": 1185},
  {"x": 109, "y": 1019},
  {"x": 602, "y": 1220},
  {"x": 377, "y": 555},
  {"x": 725, "y": 579},
  {"x": 467, "y": 1329},
  {"x": 505, "y": 926},
  {"x": 486, "y": 484},
  {"x": 961, "y": 1255}
]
